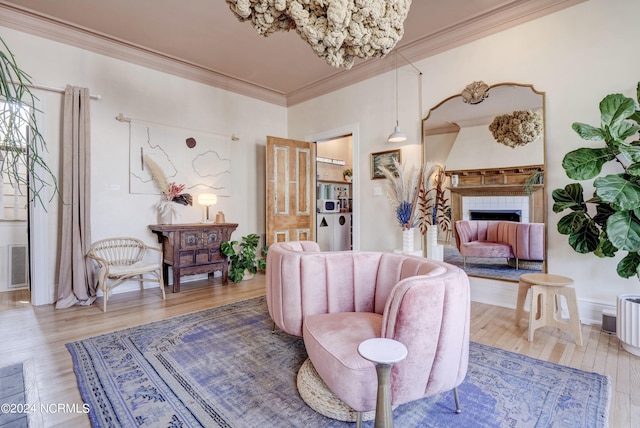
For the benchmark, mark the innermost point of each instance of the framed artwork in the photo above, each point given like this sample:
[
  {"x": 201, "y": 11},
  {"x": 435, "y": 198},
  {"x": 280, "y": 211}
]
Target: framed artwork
[{"x": 380, "y": 159}]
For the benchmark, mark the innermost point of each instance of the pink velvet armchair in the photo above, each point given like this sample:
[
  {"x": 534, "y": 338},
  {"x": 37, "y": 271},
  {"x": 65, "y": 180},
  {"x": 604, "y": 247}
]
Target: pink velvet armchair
[{"x": 336, "y": 300}]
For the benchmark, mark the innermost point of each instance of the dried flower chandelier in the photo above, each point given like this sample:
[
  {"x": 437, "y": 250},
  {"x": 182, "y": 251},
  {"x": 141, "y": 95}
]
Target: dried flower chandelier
[
  {"x": 337, "y": 30},
  {"x": 518, "y": 128}
]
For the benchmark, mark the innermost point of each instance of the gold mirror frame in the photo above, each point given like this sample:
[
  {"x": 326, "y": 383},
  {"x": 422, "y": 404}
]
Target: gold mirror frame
[{"x": 491, "y": 178}]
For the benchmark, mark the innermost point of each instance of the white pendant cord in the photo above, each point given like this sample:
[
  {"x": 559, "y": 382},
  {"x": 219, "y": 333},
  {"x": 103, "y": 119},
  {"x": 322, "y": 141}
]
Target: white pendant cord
[{"x": 397, "y": 122}]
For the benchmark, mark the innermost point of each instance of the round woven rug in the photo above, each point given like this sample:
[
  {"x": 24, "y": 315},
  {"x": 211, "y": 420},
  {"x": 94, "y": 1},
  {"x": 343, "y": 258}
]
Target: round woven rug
[{"x": 317, "y": 395}]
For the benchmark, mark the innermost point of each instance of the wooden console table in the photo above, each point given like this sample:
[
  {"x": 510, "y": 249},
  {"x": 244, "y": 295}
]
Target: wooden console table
[{"x": 193, "y": 248}]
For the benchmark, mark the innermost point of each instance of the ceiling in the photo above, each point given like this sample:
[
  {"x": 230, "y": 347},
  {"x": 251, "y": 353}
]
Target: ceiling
[{"x": 203, "y": 40}]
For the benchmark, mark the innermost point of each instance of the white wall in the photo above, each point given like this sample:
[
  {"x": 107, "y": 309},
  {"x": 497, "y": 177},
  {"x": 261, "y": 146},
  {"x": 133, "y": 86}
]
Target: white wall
[
  {"x": 153, "y": 96},
  {"x": 576, "y": 56},
  {"x": 476, "y": 148}
]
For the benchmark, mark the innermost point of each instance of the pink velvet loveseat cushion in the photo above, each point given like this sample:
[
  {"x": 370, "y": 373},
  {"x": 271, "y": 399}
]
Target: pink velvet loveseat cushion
[{"x": 488, "y": 238}]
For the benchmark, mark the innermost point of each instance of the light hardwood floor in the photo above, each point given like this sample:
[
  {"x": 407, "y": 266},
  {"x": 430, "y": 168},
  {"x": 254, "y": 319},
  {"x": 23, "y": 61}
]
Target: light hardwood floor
[{"x": 40, "y": 333}]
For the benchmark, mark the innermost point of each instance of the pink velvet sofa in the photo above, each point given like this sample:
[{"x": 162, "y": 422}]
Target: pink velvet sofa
[
  {"x": 490, "y": 238},
  {"x": 336, "y": 300}
]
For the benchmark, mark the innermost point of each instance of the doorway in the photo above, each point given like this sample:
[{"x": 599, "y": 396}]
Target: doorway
[
  {"x": 334, "y": 204},
  {"x": 350, "y": 137}
]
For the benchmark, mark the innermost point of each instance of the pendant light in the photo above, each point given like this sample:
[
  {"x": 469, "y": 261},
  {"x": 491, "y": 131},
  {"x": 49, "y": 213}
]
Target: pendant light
[{"x": 397, "y": 136}]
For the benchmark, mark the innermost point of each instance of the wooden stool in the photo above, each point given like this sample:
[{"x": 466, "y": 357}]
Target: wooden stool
[{"x": 546, "y": 309}]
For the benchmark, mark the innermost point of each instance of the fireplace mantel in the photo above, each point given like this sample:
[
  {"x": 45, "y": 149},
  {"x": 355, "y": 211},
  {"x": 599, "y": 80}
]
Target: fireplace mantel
[
  {"x": 494, "y": 190},
  {"x": 536, "y": 198},
  {"x": 507, "y": 181},
  {"x": 508, "y": 176}
]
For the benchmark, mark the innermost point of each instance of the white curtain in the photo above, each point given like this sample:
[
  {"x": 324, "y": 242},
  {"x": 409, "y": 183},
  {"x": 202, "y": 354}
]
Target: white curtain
[{"x": 75, "y": 278}]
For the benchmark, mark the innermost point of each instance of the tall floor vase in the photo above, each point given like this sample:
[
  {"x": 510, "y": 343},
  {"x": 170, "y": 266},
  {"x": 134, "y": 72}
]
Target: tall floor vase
[
  {"x": 434, "y": 251},
  {"x": 628, "y": 322},
  {"x": 407, "y": 239}
]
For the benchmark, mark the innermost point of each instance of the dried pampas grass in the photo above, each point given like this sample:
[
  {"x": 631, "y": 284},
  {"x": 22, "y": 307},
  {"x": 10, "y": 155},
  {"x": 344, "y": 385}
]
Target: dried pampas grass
[
  {"x": 157, "y": 175},
  {"x": 404, "y": 189}
]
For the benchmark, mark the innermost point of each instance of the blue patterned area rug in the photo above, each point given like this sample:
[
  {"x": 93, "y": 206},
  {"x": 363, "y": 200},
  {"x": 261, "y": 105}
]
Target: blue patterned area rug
[
  {"x": 12, "y": 394},
  {"x": 223, "y": 367}
]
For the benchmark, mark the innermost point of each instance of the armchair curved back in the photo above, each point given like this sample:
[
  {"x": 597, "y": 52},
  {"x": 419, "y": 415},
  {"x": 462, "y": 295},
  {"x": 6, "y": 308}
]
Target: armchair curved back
[
  {"x": 503, "y": 232},
  {"x": 303, "y": 281},
  {"x": 524, "y": 240},
  {"x": 121, "y": 259},
  {"x": 431, "y": 317},
  {"x": 530, "y": 241},
  {"x": 118, "y": 251}
]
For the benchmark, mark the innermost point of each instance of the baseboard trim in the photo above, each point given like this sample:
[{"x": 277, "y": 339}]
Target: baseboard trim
[
  {"x": 134, "y": 285},
  {"x": 505, "y": 294}
]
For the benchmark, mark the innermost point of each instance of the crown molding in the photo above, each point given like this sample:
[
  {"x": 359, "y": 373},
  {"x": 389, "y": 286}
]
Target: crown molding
[
  {"x": 509, "y": 15},
  {"x": 59, "y": 31}
]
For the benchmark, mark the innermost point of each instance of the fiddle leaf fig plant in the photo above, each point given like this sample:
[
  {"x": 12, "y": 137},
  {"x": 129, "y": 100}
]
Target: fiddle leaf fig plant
[{"x": 610, "y": 220}]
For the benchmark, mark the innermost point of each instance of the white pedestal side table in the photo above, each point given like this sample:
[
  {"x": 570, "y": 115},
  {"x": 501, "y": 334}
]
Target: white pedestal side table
[{"x": 384, "y": 353}]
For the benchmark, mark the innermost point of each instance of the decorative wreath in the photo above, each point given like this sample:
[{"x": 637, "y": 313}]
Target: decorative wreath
[
  {"x": 475, "y": 92},
  {"x": 518, "y": 128}
]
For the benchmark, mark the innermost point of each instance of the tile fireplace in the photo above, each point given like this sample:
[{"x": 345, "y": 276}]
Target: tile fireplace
[{"x": 501, "y": 191}]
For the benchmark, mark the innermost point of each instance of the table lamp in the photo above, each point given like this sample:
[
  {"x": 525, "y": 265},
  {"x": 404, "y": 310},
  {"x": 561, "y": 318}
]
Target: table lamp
[{"x": 207, "y": 199}]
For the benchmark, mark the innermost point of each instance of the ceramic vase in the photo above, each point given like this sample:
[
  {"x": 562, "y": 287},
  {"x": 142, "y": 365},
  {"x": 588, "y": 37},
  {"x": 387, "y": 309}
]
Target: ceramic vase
[
  {"x": 628, "y": 322},
  {"x": 407, "y": 239},
  {"x": 434, "y": 251},
  {"x": 165, "y": 212}
]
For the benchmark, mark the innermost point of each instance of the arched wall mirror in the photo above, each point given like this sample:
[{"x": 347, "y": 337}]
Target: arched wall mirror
[{"x": 490, "y": 140}]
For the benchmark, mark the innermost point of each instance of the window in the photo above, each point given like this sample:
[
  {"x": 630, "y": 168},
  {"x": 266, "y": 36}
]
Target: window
[{"x": 13, "y": 161}]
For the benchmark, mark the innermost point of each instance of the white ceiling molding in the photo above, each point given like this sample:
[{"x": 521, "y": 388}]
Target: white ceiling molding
[
  {"x": 511, "y": 14},
  {"x": 508, "y": 16},
  {"x": 22, "y": 20}
]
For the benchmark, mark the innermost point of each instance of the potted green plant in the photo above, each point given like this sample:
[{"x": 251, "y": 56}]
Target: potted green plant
[
  {"x": 348, "y": 174},
  {"x": 610, "y": 220},
  {"x": 243, "y": 258},
  {"x": 536, "y": 177}
]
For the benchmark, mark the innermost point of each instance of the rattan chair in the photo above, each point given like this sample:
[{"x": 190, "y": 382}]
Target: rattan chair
[{"x": 122, "y": 259}]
